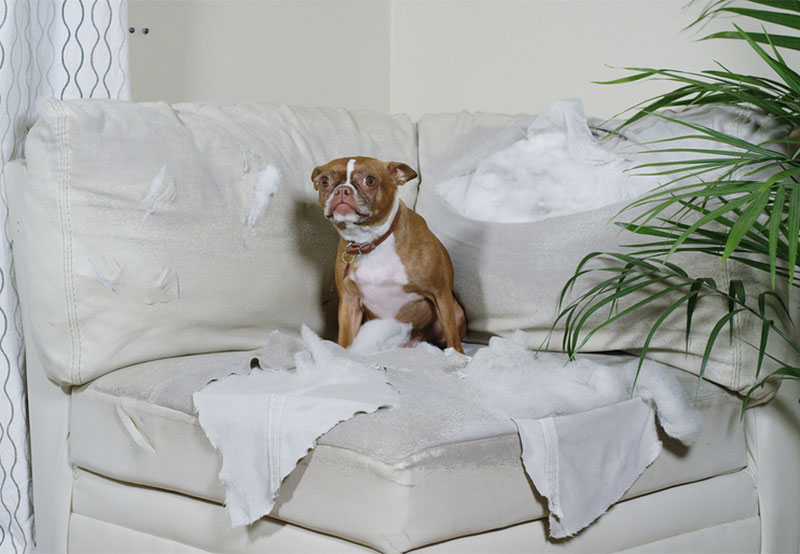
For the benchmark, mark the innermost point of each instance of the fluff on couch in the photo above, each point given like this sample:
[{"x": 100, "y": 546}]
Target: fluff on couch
[{"x": 145, "y": 271}]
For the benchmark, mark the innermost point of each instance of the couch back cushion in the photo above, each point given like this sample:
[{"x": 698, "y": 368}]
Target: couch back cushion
[
  {"x": 509, "y": 276},
  {"x": 147, "y": 231}
]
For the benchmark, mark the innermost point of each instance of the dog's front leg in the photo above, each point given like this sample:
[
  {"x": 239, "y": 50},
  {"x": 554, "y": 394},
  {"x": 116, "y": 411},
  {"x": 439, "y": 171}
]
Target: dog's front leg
[
  {"x": 445, "y": 305},
  {"x": 350, "y": 317}
]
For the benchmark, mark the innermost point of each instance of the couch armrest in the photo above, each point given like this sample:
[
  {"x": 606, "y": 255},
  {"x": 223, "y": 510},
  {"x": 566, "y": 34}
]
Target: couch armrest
[
  {"x": 48, "y": 417},
  {"x": 773, "y": 449},
  {"x": 48, "y": 409}
]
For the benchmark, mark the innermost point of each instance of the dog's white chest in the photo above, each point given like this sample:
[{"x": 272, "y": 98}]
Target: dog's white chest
[{"x": 380, "y": 277}]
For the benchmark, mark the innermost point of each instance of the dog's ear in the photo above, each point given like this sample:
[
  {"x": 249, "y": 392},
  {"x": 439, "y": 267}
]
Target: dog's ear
[
  {"x": 314, "y": 175},
  {"x": 400, "y": 172}
]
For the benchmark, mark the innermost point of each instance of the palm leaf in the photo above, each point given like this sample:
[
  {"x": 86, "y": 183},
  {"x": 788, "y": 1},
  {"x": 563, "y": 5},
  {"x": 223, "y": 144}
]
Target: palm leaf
[
  {"x": 789, "y": 76},
  {"x": 686, "y": 298},
  {"x": 784, "y": 41},
  {"x": 785, "y": 372},
  {"x": 745, "y": 222},
  {"x": 691, "y": 305},
  {"x": 779, "y": 18},
  {"x": 716, "y": 202},
  {"x": 793, "y": 229},
  {"x": 774, "y": 231}
]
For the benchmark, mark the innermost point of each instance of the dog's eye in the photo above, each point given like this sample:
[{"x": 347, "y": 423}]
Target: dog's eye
[
  {"x": 370, "y": 181},
  {"x": 324, "y": 181}
]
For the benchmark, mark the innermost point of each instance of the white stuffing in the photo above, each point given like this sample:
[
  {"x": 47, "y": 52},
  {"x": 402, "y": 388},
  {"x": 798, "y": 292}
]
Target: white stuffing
[
  {"x": 379, "y": 335},
  {"x": 259, "y": 183},
  {"x": 265, "y": 186},
  {"x": 559, "y": 169},
  {"x": 562, "y": 168},
  {"x": 654, "y": 133},
  {"x": 291, "y": 408},
  {"x": 523, "y": 384},
  {"x": 586, "y": 410}
]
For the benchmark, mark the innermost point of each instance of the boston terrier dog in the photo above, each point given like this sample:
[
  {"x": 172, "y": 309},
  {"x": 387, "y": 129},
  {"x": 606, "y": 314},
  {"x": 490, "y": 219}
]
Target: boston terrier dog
[{"x": 389, "y": 264}]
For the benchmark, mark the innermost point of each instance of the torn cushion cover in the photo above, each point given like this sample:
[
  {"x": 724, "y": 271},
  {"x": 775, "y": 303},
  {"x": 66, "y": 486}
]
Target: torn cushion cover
[
  {"x": 539, "y": 257},
  {"x": 173, "y": 230}
]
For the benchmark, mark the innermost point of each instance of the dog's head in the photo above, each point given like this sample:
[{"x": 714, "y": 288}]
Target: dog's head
[{"x": 359, "y": 190}]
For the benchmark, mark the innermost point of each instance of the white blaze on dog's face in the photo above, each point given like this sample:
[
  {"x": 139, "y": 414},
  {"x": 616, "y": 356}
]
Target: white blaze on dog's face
[
  {"x": 359, "y": 191},
  {"x": 347, "y": 207}
]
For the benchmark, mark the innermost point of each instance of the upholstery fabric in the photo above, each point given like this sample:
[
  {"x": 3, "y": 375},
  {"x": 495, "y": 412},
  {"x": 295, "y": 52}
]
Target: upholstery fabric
[
  {"x": 727, "y": 501},
  {"x": 143, "y": 235},
  {"x": 178, "y": 521},
  {"x": 437, "y": 467},
  {"x": 49, "y": 408},
  {"x": 538, "y": 258},
  {"x": 138, "y": 239},
  {"x": 736, "y": 536},
  {"x": 92, "y": 536},
  {"x": 771, "y": 430}
]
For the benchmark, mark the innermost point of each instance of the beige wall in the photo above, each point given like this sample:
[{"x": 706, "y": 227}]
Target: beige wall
[
  {"x": 515, "y": 56},
  {"x": 323, "y": 52},
  {"x": 414, "y": 56}
]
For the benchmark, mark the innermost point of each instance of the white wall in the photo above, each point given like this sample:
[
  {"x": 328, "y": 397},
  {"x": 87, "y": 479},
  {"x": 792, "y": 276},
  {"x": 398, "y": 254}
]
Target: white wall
[{"x": 415, "y": 56}]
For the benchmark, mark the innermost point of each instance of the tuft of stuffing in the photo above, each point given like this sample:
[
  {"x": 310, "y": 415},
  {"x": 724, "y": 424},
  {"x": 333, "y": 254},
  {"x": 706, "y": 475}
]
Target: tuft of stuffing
[
  {"x": 380, "y": 335},
  {"x": 567, "y": 164}
]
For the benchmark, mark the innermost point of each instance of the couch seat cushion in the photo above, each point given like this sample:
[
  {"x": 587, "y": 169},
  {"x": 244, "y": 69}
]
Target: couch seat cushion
[{"x": 438, "y": 467}]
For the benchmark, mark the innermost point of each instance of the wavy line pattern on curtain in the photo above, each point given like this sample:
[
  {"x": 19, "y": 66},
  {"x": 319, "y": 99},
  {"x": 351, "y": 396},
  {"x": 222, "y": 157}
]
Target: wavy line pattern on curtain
[{"x": 65, "y": 49}]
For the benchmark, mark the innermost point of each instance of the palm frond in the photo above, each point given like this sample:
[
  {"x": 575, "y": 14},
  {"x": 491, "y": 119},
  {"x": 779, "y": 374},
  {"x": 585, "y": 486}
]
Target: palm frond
[{"x": 720, "y": 195}]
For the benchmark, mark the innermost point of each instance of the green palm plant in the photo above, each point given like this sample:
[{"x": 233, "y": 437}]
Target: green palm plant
[{"x": 733, "y": 199}]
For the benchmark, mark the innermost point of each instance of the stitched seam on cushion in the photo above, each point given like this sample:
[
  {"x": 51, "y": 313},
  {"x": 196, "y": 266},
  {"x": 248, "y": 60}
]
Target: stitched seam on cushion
[{"x": 66, "y": 245}]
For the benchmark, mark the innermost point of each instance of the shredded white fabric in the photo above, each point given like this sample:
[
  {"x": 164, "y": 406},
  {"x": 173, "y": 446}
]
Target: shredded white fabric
[
  {"x": 584, "y": 440},
  {"x": 563, "y": 167},
  {"x": 265, "y": 422},
  {"x": 583, "y": 463}
]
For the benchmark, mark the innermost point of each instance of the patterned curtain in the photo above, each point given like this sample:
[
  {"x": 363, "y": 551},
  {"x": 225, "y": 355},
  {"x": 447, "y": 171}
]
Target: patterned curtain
[{"x": 64, "y": 49}]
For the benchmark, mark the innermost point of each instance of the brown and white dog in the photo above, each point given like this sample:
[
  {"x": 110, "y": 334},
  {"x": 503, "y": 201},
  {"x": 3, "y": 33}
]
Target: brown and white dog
[{"x": 389, "y": 265}]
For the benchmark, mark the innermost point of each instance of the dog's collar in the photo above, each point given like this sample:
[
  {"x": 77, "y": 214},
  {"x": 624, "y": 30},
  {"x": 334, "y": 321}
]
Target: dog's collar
[{"x": 354, "y": 249}]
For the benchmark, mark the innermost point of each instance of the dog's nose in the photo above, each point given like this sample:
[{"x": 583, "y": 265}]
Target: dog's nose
[{"x": 342, "y": 192}]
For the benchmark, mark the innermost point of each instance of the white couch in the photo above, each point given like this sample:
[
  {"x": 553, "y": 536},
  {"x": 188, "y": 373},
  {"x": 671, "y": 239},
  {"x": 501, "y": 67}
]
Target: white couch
[{"x": 143, "y": 274}]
